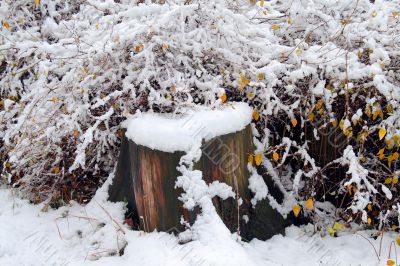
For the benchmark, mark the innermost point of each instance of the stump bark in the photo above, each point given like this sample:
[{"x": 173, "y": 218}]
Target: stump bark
[{"x": 145, "y": 179}]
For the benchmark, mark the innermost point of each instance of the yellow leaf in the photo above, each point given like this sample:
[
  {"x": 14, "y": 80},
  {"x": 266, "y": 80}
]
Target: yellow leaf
[
  {"x": 348, "y": 132},
  {"x": 275, "y": 27},
  {"x": 56, "y": 170},
  {"x": 396, "y": 140},
  {"x": 373, "y": 14},
  {"x": 139, "y": 48},
  {"x": 381, "y": 154},
  {"x": 331, "y": 231},
  {"x": 13, "y": 98},
  {"x": 242, "y": 82},
  {"x": 173, "y": 88},
  {"x": 389, "y": 143},
  {"x": 375, "y": 114},
  {"x": 290, "y": 20},
  {"x": 262, "y": 3},
  {"x": 369, "y": 207},
  {"x": 381, "y": 151},
  {"x": 368, "y": 111},
  {"x": 260, "y": 76},
  {"x": 250, "y": 159},
  {"x": 296, "y": 210},
  {"x": 334, "y": 123},
  {"x": 395, "y": 156},
  {"x": 398, "y": 240},
  {"x": 37, "y": 2},
  {"x": 309, "y": 204},
  {"x": 97, "y": 26},
  {"x": 275, "y": 156},
  {"x": 223, "y": 98},
  {"x": 256, "y": 115},
  {"x": 390, "y": 159},
  {"x": 76, "y": 133},
  {"x": 395, "y": 14},
  {"x": 250, "y": 95},
  {"x": 165, "y": 46},
  {"x": 6, "y": 25},
  {"x": 362, "y": 136},
  {"x": 382, "y": 133},
  {"x": 351, "y": 189},
  {"x": 244, "y": 79},
  {"x": 258, "y": 158},
  {"x": 369, "y": 221},
  {"x": 311, "y": 116},
  {"x": 319, "y": 104},
  {"x": 388, "y": 181},
  {"x": 395, "y": 180},
  {"x": 338, "y": 226},
  {"x": 265, "y": 12},
  {"x": 299, "y": 51},
  {"x": 390, "y": 262},
  {"x": 294, "y": 122},
  {"x": 389, "y": 108},
  {"x": 54, "y": 99}
]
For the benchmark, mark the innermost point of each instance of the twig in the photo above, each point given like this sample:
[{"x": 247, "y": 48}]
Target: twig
[
  {"x": 395, "y": 250},
  {"x": 112, "y": 219},
  {"x": 237, "y": 202},
  {"x": 380, "y": 244},
  {"x": 376, "y": 252},
  {"x": 58, "y": 229}
]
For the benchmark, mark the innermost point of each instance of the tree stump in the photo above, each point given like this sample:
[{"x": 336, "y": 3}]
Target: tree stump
[{"x": 145, "y": 179}]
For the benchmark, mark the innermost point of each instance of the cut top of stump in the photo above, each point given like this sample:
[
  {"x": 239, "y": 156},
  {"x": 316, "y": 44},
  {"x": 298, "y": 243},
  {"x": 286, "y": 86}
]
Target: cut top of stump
[{"x": 173, "y": 132}]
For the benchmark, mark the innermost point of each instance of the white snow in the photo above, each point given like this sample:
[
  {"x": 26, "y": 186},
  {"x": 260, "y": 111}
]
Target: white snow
[
  {"x": 257, "y": 185},
  {"x": 93, "y": 63},
  {"x": 30, "y": 236},
  {"x": 172, "y": 132}
]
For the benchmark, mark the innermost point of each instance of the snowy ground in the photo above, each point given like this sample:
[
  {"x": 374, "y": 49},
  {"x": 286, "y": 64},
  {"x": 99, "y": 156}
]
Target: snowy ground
[{"x": 77, "y": 235}]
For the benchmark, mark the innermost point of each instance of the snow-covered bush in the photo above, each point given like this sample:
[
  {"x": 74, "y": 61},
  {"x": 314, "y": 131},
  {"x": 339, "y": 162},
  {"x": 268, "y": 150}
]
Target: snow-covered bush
[{"x": 71, "y": 71}]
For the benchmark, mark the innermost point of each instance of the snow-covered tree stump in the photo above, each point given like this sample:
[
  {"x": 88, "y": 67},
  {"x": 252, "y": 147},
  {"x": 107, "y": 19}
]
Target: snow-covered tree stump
[{"x": 146, "y": 177}]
